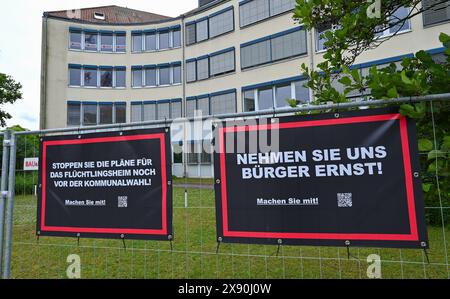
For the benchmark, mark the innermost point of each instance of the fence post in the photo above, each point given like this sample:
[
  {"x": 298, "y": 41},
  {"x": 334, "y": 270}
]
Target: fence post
[
  {"x": 10, "y": 206},
  {"x": 3, "y": 191}
]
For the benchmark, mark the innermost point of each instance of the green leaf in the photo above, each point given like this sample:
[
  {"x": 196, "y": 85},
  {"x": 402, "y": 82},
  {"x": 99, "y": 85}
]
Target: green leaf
[
  {"x": 435, "y": 154},
  {"x": 405, "y": 78},
  {"x": 426, "y": 187},
  {"x": 425, "y": 145},
  {"x": 346, "y": 81},
  {"x": 392, "y": 92}
]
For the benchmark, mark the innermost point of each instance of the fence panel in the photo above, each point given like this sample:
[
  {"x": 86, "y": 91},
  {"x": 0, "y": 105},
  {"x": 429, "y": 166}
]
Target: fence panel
[{"x": 194, "y": 252}]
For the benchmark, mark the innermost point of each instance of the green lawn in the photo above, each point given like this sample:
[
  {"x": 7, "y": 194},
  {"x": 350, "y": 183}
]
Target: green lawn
[{"x": 194, "y": 252}]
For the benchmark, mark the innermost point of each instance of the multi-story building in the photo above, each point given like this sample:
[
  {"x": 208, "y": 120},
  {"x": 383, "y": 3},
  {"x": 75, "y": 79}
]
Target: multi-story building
[{"x": 111, "y": 64}]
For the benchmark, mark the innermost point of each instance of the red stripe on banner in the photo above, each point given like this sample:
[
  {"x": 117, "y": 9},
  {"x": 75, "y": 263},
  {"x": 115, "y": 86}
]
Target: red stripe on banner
[
  {"x": 161, "y": 231},
  {"x": 412, "y": 236}
]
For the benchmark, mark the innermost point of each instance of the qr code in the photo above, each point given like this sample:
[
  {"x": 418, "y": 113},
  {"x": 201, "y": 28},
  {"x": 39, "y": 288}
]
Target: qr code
[
  {"x": 122, "y": 201},
  {"x": 344, "y": 200}
]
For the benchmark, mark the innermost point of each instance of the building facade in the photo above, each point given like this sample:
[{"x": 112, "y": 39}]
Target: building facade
[{"x": 111, "y": 64}]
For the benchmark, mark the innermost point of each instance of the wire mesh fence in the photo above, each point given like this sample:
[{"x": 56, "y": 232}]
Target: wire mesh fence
[{"x": 193, "y": 252}]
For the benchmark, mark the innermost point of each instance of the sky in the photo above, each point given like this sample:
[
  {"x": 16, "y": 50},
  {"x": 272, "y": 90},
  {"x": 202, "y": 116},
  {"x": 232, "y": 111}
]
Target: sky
[{"x": 20, "y": 45}]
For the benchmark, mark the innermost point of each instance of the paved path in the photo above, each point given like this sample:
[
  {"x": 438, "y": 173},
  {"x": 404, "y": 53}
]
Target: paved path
[{"x": 194, "y": 186}]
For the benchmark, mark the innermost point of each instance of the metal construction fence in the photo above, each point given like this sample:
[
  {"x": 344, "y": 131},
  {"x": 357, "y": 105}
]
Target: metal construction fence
[{"x": 194, "y": 252}]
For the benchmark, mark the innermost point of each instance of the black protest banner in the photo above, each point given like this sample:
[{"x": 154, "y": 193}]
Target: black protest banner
[
  {"x": 349, "y": 179},
  {"x": 106, "y": 185}
]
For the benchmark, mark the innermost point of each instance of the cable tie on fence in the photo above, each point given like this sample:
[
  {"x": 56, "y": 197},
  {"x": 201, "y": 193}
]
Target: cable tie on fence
[
  {"x": 347, "y": 244},
  {"x": 280, "y": 242},
  {"x": 219, "y": 240},
  {"x": 78, "y": 239}
]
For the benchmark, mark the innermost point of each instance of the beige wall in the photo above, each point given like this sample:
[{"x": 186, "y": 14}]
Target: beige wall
[{"x": 58, "y": 58}]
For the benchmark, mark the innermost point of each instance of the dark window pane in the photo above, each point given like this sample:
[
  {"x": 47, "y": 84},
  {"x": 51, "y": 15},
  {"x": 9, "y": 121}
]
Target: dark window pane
[
  {"x": 175, "y": 110},
  {"x": 106, "y": 43},
  {"x": 301, "y": 92},
  {"x": 283, "y": 94},
  {"x": 73, "y": 114},
  {"x": 121, "y": 41},
  {"x": 249, "y": 100},
  {"x": 106, "y": 113},
  {"x": 90, "y": 77},
  {"x": 163, "y": 110},
  {"x": 164, "y": 76},
  {"x": 150, "y": 77},
  {"x": 191, "y": 71},
  {"x": 74, "y": 77},
  {"x": 221, "y": 23},
  {"x": 149, "y": 111},
  {"x": 176, "y": 38},
  {"x": 89, "y": 114},
  {"x": 164, "y": 40},
  {"x": 75, "y": 40},
  {"x": 190, "y": 34},
  {"x": 106, "y": 78},
  {"x": 90, "y": 41},
  {"x": 137, "y": 42},
  {"x": 121, "y": 112},
  {"x": 176, "y": 74},
  {"x": 120, "y": 78},
  {"x": 265, "y": 99},
  {"x": 150, "y": 42},
  {"x": 254, "y": 11}
]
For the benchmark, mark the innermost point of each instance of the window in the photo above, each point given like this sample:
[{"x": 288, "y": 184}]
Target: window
[
  {"x": 435, "y": 13},
  {"x": 257, "y": 10},
  {"x": 190, "y": 34},
  {"x": 320, "y": 37},
  {"x": 120, "y": 112},
  {"x": 203, "y": 105},
  {"x": 99, "y": 16},
  {"x": 106, "y": 113},
  {"x": 90, "y": 40},
  {"x": 192, "y": 155},
  {"x": 254, "y": 11},
  {"x": 277, "y": 96},
  {"x": 137, "y": 77},
  {"x": 164, "y": 110},
  {"x": 191, "y": 106},
  {"x": 164, "y": 76},
  {"x": 73, "y": 113},
  {"x": 283, "y": 94},
  {"x": 136, "y": 40},
  {"x": 280, "y": 6},
  {"x": 275, "y": 47},
  {"x": 164, "y": 40},
  {"x": 150, "y": 76},
  {"x": 177, "y": 74},
  {"x": 120, "y": 77},
  {"x": 205, "y": 157},
  {"x": 255, "y": 54},
  {"x": 191, "y": 71},
  {"x": 202, "y": 30},
  {"x": 121, "y": 40},
  {"x": 223, "y": 103},
  {"x": 106, "y": 42},
  {"x": 149, "y": 110},
  {"x": 249, "y": 100},
  {"x": 289, "y": 45},
  {"x": 150, "y": 41},
  {"x": 175, "y": 107},
  {"x": 202, "y": 68},
  {"x": 89, "y": 114},
  {"x": 399, "y": 14},
  {"x": 136, "y": 112},
  {"x": 75, "y": 39},
  {"x": 222, "y": 63},
  {"x": 221, "y": 23},
  {"x": 74, "y": 75},
  {"x": 176, "y": 36},
  {"x": 265, "y": 99},
  {"x": 301, "y": 92},
  {"x": 177, "y": 152},
  {"x": 106, "y": 77},
  {"x": 90, "y": 77}
]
